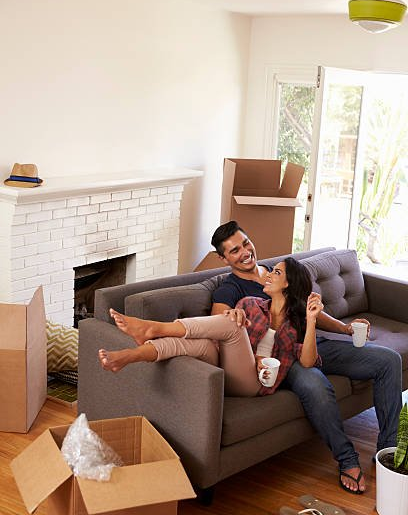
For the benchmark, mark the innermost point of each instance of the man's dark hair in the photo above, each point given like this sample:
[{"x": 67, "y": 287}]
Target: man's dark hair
[{"x": 224, "y": 232}]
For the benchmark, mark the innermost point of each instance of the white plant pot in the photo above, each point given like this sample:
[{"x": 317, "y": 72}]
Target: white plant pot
[{"x": 392, "y": 488}]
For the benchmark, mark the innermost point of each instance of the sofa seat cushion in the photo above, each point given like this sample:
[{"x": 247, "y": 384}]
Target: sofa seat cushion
[
  {"x": 245, "y": 417},
  {"x": 336, "y": 275}
]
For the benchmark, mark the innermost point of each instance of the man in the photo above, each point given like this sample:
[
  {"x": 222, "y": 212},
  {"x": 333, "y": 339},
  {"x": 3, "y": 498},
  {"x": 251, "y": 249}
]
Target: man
[{"x": 311, "y": 385}]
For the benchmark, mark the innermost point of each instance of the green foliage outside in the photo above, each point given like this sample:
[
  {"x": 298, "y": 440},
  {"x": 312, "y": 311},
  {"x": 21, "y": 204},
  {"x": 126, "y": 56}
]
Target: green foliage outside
[
  {"x": 401, "y": 452},
  {"x": 386, "y": 156},
  {"x": 387, "y": 141},
  {"x": 295, "y": 140}
]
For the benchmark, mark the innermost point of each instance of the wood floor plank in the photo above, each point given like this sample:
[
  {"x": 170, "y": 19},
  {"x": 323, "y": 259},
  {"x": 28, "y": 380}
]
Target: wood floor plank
[{"x": 259, "y": 490}]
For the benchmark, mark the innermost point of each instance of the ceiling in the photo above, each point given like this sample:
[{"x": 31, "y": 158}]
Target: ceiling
[{"x": 291, "y": 7}]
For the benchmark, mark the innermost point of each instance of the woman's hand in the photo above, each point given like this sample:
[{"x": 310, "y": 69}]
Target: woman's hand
[
  {"x": 260, "y": 365},
  {"x": 314, "y": 306},
  {"x": 349, "y": 329},
  {"x": 239, "y": 316}
]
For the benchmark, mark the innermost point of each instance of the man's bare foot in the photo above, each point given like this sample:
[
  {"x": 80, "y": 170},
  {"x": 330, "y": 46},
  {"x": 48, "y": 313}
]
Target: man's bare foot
[
  {"x": 140, "y": 330},
  {"x": 115, "y": 360},
  {"x": 353, "y": 480}
]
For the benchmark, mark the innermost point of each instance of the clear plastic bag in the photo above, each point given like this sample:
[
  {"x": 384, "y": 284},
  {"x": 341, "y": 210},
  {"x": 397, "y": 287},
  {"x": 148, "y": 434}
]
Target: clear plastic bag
[{"x": 87, "y": 454}]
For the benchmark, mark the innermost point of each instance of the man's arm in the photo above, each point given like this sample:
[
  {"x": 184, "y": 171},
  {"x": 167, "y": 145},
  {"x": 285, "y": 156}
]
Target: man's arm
[
  {"x": 328, "y": 323},
  {"x": 218, "y": 308}
]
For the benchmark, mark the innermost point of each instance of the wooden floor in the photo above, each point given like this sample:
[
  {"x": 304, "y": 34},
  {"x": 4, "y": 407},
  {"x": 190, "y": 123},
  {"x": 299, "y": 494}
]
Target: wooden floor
[{"x": 259, "y": 490}]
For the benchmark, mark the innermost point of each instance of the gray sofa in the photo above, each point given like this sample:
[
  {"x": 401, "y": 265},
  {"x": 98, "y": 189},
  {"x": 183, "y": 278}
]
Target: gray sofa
[{"x": 217, "y": 436}]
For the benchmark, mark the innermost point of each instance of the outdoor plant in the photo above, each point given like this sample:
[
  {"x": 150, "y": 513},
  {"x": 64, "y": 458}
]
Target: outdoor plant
[{"x": 401, "y": 452}]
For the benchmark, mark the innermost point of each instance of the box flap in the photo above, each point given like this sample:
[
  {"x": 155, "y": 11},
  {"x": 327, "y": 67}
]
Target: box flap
[
  {"x": 227, "y": 187},
  {"x": 291, "y": 180},
  {"x": 12, "y": 326},
  {"x": 137, "y": 485},
  {"x": 36, "y": 356},
  {"x": 36, "y": 324},
  {"x": 39, "y": 470},
  {"x": 267, "y": 201},
  {"x": 257, "y": 177}
]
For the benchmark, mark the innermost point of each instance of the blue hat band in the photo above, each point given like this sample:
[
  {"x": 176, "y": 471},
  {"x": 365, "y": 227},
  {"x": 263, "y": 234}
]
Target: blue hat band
[{"x": 20, "y": 178}]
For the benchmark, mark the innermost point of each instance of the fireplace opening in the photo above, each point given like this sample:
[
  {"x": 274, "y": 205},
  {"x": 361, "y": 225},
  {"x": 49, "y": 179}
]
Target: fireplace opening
[{"x": 89, "y": 278}]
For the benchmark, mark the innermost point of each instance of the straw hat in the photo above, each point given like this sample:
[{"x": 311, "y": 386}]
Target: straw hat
[{"x": 24, "y": 176}]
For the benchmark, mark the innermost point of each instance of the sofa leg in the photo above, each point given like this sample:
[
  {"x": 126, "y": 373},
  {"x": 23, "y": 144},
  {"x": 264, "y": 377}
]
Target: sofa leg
[{"x": 205, "y": 495}]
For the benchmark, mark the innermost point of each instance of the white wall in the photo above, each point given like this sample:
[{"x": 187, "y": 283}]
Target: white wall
[
  {"x": 92, "y": 86},
  {"x": 313, "y": 40}
]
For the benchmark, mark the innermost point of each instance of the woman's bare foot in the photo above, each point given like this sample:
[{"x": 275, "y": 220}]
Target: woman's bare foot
[
  {"x": 116, "y": 360},
  {"x": 140, "y": 330}
]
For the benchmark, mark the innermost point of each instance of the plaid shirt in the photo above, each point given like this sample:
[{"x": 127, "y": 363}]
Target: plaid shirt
[{"x": 286, "y": 347}]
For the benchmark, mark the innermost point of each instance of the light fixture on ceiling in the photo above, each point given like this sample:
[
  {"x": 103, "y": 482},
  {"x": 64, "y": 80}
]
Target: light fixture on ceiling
[{"x": 377, "y": 15}]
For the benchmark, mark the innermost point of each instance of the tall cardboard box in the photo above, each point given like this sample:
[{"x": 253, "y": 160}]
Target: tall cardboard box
[
  {"x": 23, "y": 363},
  {"x": 263, "y": 205},
  {"x": 151, "y": 482}
]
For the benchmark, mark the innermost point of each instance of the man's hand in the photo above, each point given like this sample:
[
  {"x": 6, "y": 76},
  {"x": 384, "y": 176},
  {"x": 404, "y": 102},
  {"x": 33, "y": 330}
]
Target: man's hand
[
  {"x": 239, "y": 316},
  {"x": 349, "y": 329}
]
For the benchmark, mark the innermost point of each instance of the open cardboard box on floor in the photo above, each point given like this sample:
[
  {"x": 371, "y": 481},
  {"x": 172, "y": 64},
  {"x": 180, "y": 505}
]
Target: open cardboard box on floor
[
  {"x": 23, "y": 363},
  {"x": 151, "y": 482},
  {"x": 263, "y": 205}
]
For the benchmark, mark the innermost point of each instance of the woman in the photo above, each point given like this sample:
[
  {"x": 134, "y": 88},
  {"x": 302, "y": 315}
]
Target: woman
[{"x": 283, "y": 328}]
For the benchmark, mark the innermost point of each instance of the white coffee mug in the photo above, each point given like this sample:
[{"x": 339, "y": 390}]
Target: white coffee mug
[
  {"x": 272, "y": 366},
  {"x": 359, "y": 333}
]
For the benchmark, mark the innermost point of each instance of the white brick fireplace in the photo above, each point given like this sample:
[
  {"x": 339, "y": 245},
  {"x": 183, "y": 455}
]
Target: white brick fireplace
[{"x": 70, "y": 222}]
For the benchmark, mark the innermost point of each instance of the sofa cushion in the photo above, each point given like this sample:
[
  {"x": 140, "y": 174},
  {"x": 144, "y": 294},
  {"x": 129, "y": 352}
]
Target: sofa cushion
[
  {"x": 337, "y": 277},
  {"x": 245, "y": 417},
  {"x": 167, "y": 304}
]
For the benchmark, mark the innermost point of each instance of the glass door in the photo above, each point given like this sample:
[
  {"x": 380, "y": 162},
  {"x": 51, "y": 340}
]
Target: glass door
[
  {"x": 336, "y": 147},
  {"x": 292, "y": 99}
]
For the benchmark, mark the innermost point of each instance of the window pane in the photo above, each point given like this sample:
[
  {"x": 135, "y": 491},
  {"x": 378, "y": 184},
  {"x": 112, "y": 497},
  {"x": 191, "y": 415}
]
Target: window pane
[{"x": 294, "y": 142}]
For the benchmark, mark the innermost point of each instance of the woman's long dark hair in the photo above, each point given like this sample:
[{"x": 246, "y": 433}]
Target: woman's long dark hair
[{"x": 298, "y": 289}]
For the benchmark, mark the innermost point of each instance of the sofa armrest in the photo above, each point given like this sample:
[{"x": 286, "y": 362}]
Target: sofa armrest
[
  {"x": 387, "y": 297},
  {"x": 183, "y": 397}
]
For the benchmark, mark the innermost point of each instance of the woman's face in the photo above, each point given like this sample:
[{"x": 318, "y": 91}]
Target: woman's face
[{"x": 276, "y": 279}]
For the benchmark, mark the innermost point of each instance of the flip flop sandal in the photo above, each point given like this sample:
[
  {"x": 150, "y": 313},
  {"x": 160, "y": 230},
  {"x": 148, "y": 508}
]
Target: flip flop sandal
[
  {"x": 355, "y": 479},
  {"x": 325, "y": 508},
  {"x": 285, "y": 510}
]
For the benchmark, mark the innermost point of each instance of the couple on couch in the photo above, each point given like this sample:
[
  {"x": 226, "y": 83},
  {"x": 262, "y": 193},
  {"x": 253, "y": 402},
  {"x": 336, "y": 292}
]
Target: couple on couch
[{"x": 261, "y": 312}]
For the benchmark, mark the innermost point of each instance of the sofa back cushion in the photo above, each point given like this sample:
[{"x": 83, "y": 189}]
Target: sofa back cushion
[
  {"x": 336, "y": 275},
  {"x": 167, "y": 304}
]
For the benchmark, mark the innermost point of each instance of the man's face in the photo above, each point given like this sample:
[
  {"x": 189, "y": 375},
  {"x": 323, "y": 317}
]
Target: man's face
[{"x": 239, "y": 253}]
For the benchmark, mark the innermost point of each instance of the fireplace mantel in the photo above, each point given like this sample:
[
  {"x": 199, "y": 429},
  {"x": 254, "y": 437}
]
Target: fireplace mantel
[
  {"x": 63, "y": 187},
  {"x": 69, "y": 222}
]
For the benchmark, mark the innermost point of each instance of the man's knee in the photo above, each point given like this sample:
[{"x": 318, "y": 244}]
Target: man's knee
[
  {"x": 387, "y": 358},
  {"x": 309, "y": 382}
]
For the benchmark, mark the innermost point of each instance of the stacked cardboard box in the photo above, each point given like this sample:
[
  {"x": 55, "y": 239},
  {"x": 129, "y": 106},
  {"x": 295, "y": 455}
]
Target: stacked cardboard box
[
  {"x": 254, "y": 195},
  {"x": 23, "y": 363}
]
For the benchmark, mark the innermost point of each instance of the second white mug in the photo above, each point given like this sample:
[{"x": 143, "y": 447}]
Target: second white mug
[{"x": 272, "y": 366}]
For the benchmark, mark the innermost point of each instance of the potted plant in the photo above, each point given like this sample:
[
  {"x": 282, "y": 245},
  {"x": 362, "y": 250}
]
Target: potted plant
[{"x": 392, "y": 472}]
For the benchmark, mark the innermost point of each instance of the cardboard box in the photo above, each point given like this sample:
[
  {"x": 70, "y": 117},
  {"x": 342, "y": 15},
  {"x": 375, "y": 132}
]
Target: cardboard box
[
  {"x": 23, "y": 363},
  {"x": 211, "y": 260},
  {"x": 151, "y": 482},
  {"x": 263, "y": 205}
]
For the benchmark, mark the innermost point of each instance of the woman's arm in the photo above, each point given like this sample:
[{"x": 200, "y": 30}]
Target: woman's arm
[{"x": 309, "y": 354}]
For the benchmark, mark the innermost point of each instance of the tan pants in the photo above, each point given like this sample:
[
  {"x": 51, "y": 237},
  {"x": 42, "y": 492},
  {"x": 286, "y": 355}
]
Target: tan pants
[{"x": 212, "y": 339}]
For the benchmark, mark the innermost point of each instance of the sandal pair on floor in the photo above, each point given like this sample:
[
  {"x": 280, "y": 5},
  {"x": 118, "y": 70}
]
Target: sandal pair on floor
[{"x": 313, "y": 507}]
